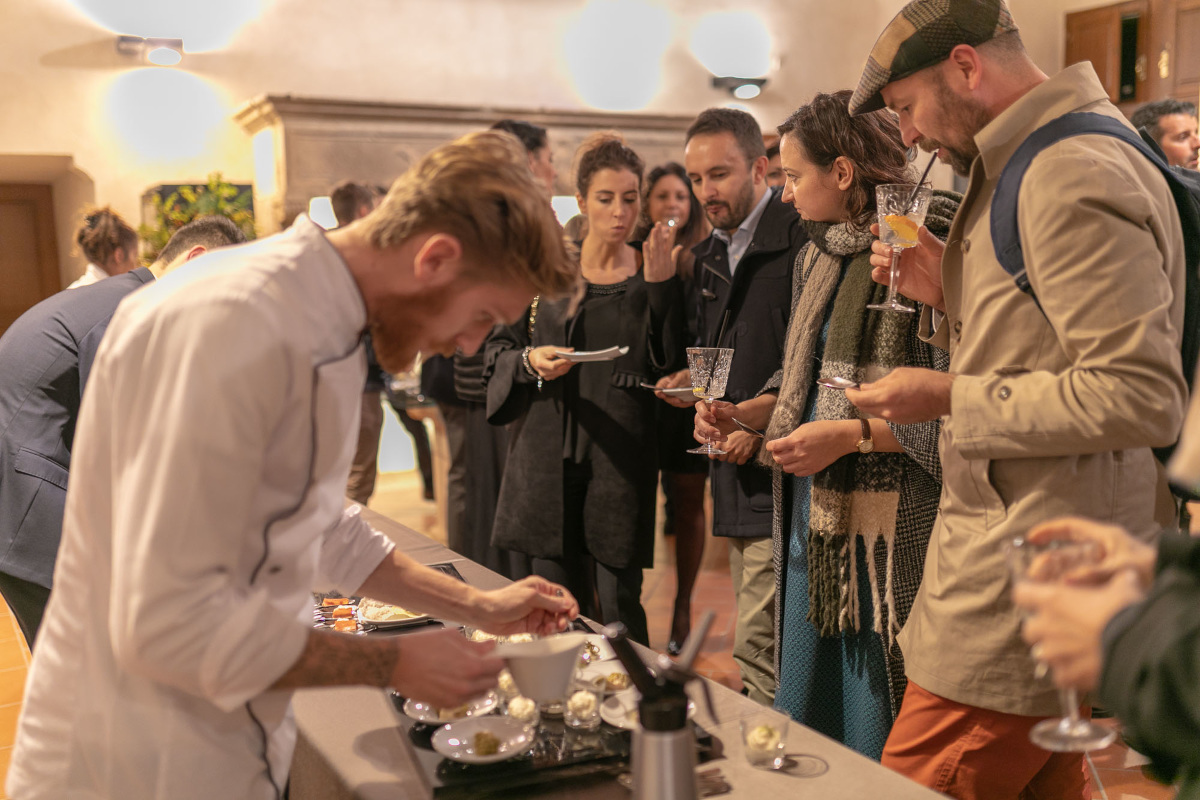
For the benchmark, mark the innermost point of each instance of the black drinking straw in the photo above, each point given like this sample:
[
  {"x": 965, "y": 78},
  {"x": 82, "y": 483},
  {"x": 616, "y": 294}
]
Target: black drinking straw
[
  {"x": 724, "y": 322},
  {"x": 924, "y": 175}
]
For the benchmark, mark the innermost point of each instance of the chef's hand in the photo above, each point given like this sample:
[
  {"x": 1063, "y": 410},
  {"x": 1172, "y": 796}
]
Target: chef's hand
[
  {"x": 547, "y": 364},
  {"x": 531, "y": 605},
  {"x": 1115, "y": 549},
  {"x": 905, "y": 395},
  {"x": 714, "y": 422},
  {"x": 676, "y": 380},
  {"x": 1066, "y": 622},
  {"x": 920, "y": 273},
  {"x": 442, "y": 668},
  {"x": 739, "y": 448},
  {"x": 815, "y": 445}
]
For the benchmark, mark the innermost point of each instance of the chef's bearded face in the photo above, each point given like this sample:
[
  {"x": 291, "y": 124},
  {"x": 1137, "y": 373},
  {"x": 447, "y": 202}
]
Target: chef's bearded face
[
  {"x": 444, "y": 319},
  {"x": 479, "y": 191}
]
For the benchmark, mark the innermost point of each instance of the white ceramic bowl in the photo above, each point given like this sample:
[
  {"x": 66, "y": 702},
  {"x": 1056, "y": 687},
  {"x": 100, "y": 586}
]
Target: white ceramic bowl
[{"x": 543, "y": 668}]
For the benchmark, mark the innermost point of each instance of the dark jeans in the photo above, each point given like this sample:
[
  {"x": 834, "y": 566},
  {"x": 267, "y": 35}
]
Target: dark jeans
[
  {"x": 605, "y": 593},
  {"x": 28, "y": 603}
]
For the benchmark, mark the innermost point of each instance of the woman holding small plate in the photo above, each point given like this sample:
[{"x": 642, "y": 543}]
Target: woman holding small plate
[{"x": 579, "y": 487}]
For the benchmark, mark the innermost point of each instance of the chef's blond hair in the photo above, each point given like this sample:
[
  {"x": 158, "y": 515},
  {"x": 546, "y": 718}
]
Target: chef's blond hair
[{"x": 480, "y": 190}]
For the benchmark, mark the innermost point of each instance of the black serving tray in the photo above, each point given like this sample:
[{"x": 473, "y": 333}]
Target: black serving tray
[{"x": 559, "y": 753}]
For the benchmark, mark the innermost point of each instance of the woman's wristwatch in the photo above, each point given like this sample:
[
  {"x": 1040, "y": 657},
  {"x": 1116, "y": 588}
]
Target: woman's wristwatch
[{"x": 866, "y": 444}]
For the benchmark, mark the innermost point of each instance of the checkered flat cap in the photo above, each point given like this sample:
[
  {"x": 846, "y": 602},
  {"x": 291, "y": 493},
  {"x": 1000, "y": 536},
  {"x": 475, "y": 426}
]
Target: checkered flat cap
[{"x": 923, "y": 34}]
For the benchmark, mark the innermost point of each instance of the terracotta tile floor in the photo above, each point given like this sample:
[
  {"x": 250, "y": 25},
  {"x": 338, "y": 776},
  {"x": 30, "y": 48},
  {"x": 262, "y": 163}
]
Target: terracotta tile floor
[{"x": 399, "y": 496}]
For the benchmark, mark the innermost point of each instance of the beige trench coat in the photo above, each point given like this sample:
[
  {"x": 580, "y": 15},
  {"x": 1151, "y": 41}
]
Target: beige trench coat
[{"x": 1051, "y": 413}]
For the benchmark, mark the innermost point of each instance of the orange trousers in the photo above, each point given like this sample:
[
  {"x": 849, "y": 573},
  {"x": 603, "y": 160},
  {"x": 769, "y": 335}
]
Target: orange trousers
[{"x": 972, "y": 753}]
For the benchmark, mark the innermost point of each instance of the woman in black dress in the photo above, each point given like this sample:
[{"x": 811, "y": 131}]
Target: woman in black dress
[
  {"x": 579, "y": 487},
  {"x": 668, "y": 197}
]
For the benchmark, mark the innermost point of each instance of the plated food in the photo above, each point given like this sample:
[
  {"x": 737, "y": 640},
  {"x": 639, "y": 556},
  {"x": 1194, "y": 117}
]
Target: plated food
[
  {"x": 385, "y": 615},
  {"x": 423, "y": 712},
  {"x": 483, "y": 740},
  {"x": 607, "y": 676}
]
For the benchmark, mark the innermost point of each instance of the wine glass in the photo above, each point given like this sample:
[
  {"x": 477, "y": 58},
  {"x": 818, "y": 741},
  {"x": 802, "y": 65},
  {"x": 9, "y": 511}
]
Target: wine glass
[
  {"x": 902, "y": 208},
  {"x": 710, "y": 372},
  {"x": 1050, "y": 563}
]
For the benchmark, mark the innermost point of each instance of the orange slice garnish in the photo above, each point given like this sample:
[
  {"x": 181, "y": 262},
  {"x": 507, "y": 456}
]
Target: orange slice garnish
[{"x": 904, "y": 227}]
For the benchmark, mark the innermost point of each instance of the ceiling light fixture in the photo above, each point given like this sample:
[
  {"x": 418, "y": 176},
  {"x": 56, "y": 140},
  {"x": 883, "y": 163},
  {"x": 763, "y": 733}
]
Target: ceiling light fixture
[{"x": 741, "y": 88}]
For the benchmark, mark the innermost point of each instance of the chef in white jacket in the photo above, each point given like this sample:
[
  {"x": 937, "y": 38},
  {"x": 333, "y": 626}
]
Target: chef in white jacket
[{"x": 205, "y": 501}]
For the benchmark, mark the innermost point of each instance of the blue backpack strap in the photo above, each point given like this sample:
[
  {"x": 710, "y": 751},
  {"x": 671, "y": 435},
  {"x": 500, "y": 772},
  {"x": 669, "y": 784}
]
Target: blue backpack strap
[{"x": 1006, "y": 237}]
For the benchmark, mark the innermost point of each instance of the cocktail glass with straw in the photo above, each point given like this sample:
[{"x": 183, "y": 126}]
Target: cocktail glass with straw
[
  {"x": 710, "y": 372},
  {"x": 902, "y": 208}
]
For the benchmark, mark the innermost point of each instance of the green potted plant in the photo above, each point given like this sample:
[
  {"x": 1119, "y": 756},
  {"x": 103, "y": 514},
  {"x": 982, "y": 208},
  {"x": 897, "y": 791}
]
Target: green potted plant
[{"x": 172, "y": 207}]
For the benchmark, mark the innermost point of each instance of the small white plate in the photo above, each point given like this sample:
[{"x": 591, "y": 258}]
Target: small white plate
[
  {"x": 579, "y": 356},
  {"x": 372, "y": 612},
  {"x": 600, "y": 672},
  {"x": 620, "y": 710},
  {"x": 602, "y": 647},
  {"x": 457, "y": 740},
  {"x": 423, "y": 712}
]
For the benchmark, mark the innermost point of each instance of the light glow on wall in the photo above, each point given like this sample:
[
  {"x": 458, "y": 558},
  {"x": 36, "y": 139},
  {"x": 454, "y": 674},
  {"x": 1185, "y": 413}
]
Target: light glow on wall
[
  {"x": 614, "y": 52},
  {"x": 565, "y": 206},
  {"x": 733, "y": 43},
  {"x": 163, "y": 115},
  {"x": 263, "y": 145},
  {"x": 320, "y": 211},
  {"x": 206, "y": 25}
]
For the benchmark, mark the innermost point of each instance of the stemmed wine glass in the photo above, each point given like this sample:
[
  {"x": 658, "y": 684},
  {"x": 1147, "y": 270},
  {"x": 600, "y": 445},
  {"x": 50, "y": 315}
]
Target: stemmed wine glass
[
  {"x": 902, "y": 208},
  {"x": 710, "y": 372},
  {"x": 1049, "y": 563}
]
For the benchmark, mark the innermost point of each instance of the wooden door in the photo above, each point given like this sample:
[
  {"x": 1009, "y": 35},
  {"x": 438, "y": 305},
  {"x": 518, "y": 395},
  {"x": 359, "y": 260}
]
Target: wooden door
[
  {"x": 1185, "y": 78},
  {"x": 1095, "y": 35},
  {"x": 29, "y": 256}
]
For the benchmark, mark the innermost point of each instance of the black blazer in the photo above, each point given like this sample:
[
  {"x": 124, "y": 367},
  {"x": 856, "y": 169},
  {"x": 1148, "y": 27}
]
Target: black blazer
[
  {"x": 758, "y": 301},
  {"x": 45, "y": 357},
  {"x": 620, "y": 505}
]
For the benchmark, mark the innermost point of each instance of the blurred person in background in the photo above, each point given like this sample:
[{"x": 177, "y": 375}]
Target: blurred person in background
[
  {"x": 668, "y": 197},
  {"x": 353, "y": 201},
  {"x": 1172, "y": 123},
  {"x": 109, "y": 245},
  {"x": 45, "y": 358}
]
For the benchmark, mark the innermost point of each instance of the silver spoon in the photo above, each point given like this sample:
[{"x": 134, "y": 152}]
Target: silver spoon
[
  {"x": 748, "y": 429},
  {"x": 836, "y": 382}
]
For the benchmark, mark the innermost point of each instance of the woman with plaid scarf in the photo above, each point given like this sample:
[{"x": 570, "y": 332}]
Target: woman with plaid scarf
[{"x": 855, "y": 499}]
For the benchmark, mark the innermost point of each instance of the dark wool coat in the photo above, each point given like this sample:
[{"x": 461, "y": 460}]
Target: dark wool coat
[
  {"x": 620, "y": 505},
  {"x": 758, "y": 301}
]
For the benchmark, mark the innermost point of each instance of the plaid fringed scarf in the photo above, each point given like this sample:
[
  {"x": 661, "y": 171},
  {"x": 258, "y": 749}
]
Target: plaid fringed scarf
[{"x": 857, "y": 495}]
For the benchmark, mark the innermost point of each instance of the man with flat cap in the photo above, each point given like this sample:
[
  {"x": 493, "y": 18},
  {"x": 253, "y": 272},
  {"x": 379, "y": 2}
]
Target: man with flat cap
[{"x": 1047, "y": 409}]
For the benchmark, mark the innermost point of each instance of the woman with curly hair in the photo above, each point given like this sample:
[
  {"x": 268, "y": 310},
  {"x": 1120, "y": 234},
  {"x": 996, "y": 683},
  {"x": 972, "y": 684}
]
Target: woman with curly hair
[{"x": 854, "y": 499}]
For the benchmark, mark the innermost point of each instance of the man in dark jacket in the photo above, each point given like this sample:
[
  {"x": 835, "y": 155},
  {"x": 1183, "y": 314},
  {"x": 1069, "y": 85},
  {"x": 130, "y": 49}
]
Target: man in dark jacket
[
  {"x": 45, "y": 357},
  {"x": 744, "y": 271}
]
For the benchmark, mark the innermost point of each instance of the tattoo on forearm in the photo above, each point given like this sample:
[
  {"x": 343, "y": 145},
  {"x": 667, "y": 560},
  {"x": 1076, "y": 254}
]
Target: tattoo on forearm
[{"x": 338, "y": 659}]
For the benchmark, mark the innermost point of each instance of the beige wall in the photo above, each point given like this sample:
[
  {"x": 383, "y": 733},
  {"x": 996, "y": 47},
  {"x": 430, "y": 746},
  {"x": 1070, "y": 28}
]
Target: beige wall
[{"x": 68, "y": 92}]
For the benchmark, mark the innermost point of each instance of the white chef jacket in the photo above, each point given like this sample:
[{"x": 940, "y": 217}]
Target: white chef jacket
[{"x": 205, "y": 504}]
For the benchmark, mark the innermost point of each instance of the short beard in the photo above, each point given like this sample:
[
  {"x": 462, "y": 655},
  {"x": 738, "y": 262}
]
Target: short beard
[
  {"x": 399, "y": 329},
  {"x": 739, "y": 208},
  {"x": 962, "y": 116}
]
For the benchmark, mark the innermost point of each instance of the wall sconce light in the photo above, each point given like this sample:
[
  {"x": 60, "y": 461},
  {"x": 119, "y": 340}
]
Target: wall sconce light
[
  {"x": 162, "y": 52},
  {"x": 741, "y": 88}
]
